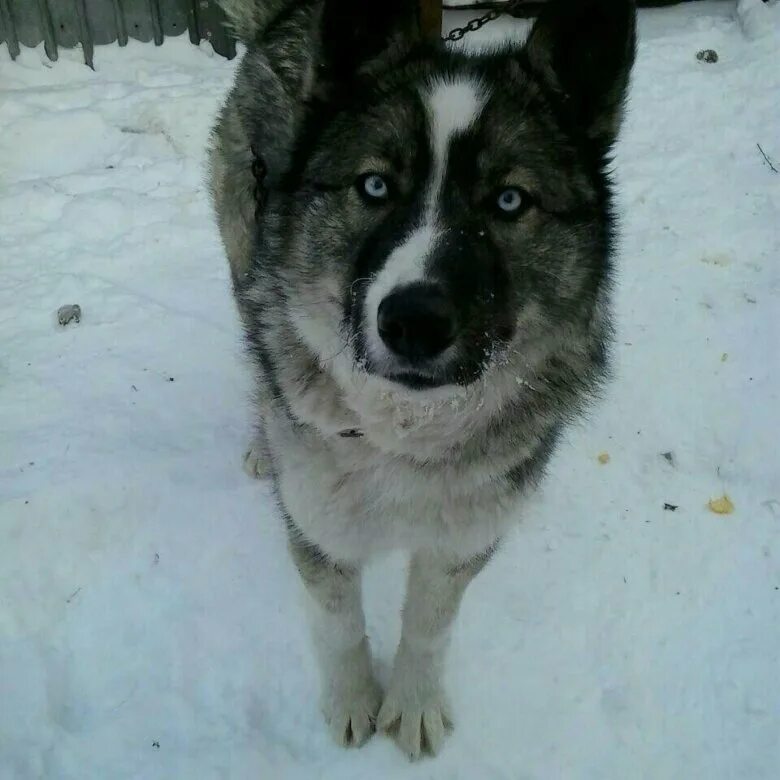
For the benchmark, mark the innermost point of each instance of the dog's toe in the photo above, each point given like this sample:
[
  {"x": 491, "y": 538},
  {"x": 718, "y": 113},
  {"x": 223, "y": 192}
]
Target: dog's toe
[
  {"x": 351, "y": 729},
  {"x": 350, "y": 712},
  {"x": 435, "y": 725},
  {"x": 419, "y": 725}
]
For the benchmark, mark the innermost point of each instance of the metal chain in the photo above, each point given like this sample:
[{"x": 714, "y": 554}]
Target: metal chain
[
  {"x": 259, "y": 173},
  {"x": 458, "y": 33}
]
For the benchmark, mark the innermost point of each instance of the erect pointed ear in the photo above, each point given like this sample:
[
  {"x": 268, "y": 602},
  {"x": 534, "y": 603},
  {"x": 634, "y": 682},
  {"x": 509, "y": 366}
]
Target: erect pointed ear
[
  {"x": 350, "y": 33},
  {"x": 583, "y": 50},
  {"x": 359, "y": 35}
]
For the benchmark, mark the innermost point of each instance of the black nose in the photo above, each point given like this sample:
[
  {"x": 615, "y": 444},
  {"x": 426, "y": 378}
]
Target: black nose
[{"x": 417, "y": 322}]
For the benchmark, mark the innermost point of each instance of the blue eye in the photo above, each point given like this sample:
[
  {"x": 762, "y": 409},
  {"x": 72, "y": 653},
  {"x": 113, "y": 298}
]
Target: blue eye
[
  {"x": 375, "y": 187},
  {"x": 510, "y": 200}
]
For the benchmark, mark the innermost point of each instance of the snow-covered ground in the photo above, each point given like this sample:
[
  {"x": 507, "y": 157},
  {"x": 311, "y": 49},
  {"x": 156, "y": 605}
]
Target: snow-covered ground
[{"x": 149, "y": 616}]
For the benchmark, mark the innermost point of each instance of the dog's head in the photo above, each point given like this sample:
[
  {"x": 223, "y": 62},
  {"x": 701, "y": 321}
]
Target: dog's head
[{"x": 450, "y": 211}]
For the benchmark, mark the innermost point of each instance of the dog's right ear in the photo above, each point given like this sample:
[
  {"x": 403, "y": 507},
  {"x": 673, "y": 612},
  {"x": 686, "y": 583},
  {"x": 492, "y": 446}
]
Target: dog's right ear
[
  {"x": 346, "y": 38},
  {"x": 359, "y": 36},
  {"x": 354, "y": 33}
]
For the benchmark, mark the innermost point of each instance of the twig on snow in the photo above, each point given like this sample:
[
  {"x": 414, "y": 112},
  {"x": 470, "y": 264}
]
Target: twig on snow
[
  {"x": 768, "y": 161},
  {"x": 73, "y": 595}
]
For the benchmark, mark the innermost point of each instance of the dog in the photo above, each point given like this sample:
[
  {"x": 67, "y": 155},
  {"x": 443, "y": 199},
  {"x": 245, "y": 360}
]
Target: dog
[{"x": 423, "y": 272}]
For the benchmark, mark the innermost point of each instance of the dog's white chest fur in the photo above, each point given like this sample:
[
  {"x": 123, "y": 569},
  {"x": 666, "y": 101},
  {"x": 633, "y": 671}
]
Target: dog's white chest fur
[{"x": 353, "y": 500}]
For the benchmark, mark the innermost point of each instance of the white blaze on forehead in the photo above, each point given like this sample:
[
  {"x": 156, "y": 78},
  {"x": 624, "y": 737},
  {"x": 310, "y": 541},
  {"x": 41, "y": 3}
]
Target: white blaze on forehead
[{"x": 452, "y": 106}]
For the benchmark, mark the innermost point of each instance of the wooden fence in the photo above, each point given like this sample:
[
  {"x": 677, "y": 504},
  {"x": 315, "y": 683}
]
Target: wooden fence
[{"x": 69, "y": 23}]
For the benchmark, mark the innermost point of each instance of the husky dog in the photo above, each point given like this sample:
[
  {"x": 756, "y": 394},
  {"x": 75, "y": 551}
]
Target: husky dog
[{"x": 425, "y": 295}]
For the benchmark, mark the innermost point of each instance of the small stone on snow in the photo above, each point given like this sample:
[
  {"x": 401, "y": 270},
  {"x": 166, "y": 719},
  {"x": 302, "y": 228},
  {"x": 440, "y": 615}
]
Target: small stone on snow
[
  {"x": 707, "y": 55},
  {"x": 66, "y": 314}
]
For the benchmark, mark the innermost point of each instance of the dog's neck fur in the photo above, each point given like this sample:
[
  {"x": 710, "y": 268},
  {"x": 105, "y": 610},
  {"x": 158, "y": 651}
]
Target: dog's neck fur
[{"x": 332, "y": 394}]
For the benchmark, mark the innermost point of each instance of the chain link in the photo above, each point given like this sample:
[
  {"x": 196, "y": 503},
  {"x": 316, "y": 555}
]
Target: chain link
[
  {"x": 259, "y": 173},
  {"x": 458, "y": 33}
]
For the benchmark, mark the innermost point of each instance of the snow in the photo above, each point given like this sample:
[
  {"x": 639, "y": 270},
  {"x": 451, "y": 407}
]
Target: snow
[
  {"x": 150, "y": 624},
  {"x": 754, "y": 16}
]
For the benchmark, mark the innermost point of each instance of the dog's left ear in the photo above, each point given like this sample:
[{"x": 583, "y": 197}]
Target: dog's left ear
[{"x": 583, "y": 51}]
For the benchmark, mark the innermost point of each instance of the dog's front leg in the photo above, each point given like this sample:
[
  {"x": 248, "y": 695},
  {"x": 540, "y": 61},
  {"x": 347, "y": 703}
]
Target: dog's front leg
[
  {"x": 415, "y": 709},
  {"x": 350, "y": 694}
]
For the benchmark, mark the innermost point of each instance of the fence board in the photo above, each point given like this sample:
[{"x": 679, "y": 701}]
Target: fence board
[
  {"x": 192, "y": 22},
  {"x": 8, "y": 31},
  {"x": 87, "y": 44},
  {"x": 138, "y": 19},
  {"x": 154, "y": 16},
  {"x": 101, "y": 21},
  {"x": 173, "y": 16},
  {"x": 47, "y": 30},
  {"x": 26, "y": 21},
  {"x": 65, "y": 21}
]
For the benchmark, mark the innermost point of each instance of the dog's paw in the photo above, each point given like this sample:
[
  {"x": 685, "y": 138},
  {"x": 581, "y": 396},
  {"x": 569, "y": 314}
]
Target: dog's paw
[
  {"x": 415, "y": 712},
  {"x": 257, "y": 462},
  {"x": 350, "y": 707}
]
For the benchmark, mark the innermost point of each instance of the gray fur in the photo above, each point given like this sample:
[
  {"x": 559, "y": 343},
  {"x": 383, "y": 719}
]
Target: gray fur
[
  {"x": 279, "y": 70},
  {"x": 249, "y": 19},
  {"x": 441, "y": 461}
]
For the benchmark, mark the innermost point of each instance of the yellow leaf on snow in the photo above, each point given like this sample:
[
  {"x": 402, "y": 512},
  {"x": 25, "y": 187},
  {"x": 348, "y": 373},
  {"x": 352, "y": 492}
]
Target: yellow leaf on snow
[
  {"x": 603, "y": 458},
  {"x": 721, "y": 506}
]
